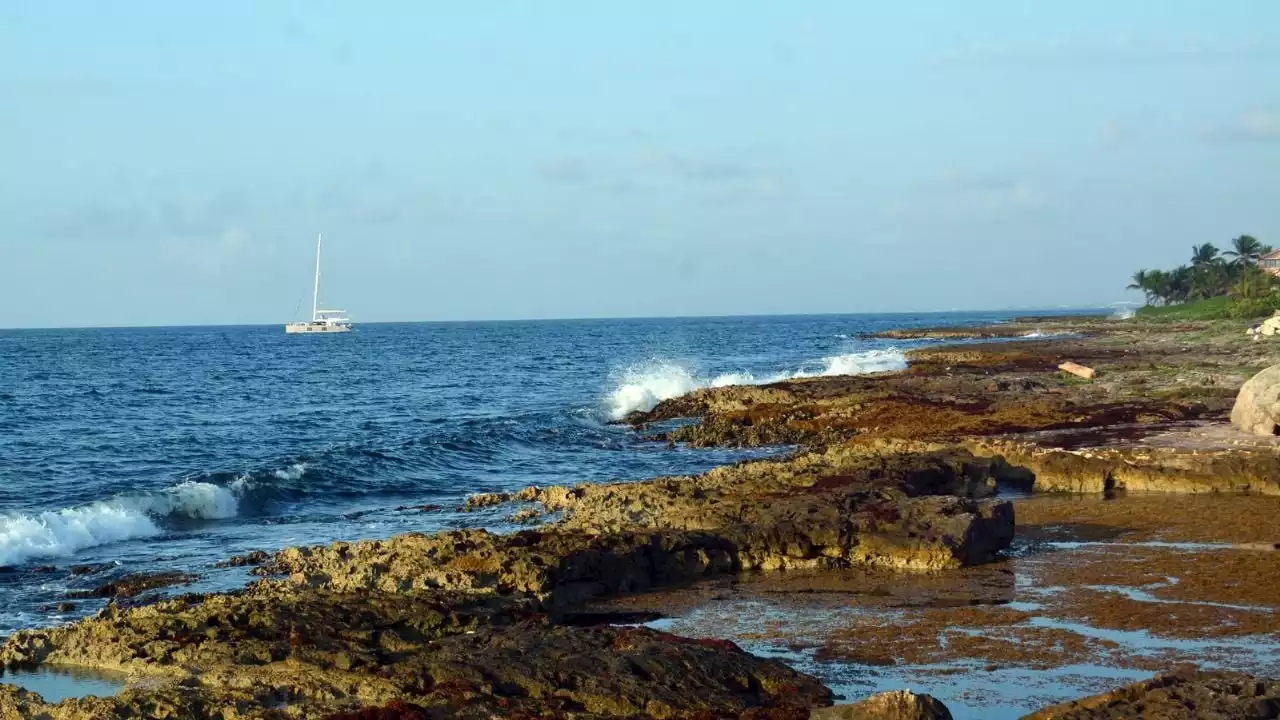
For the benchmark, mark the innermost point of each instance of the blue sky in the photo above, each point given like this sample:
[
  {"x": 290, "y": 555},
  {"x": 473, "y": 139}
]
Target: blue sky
[{"x": 170, "y": 163}]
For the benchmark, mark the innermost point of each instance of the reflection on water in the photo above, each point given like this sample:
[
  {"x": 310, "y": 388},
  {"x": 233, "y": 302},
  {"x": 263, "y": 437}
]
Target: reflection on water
[{"x": 56, "y": 684}]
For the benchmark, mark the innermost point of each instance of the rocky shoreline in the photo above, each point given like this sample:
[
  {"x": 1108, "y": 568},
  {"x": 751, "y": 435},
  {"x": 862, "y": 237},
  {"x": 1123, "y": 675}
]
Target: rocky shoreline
[{"x": 906, "y": 478}]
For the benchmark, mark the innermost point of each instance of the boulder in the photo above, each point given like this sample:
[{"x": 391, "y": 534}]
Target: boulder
[
  {"x": 1257, "y": 408},
  {"x": 896, "y": 705}
]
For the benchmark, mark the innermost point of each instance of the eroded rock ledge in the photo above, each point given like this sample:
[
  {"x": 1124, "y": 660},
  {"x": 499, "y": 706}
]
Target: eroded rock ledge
[
  {"x": 872, "y": 506},
  {"x": 273, "y": 652}
]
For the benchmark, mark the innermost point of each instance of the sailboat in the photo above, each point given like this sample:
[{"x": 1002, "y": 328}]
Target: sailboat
[{"x": 322, "y": 321}]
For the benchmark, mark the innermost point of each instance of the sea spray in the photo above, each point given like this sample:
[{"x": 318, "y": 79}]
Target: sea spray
[
  {"x": 61, "y": 533},
  {"x": 863, "y": 363},
  {"x": 640, "y": 388}
]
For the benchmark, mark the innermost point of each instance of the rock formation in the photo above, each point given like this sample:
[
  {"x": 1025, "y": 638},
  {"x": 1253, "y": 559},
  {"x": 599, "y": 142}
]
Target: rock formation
[
  {"x": 1257, "y": 408},
  {"x": 896, "y": 705},
  {"x": 1183, "y": 695}
]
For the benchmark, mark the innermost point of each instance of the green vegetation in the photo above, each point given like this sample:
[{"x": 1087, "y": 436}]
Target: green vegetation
[
  {"x": 1218, "y": 308},
  {"x": 1215, "y": 286}
]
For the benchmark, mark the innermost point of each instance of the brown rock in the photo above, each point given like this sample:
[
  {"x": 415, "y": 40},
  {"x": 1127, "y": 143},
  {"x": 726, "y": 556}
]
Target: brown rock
[
  {"x": 419, "y": 508},
  {"x": 1044, "y": 468},
  {"x": 137, "y": 583},
  {"x": 1186, "y": 694},
  {"x": 483, "y": 500},
  {"x": 453, "y": 654},
  {"x": 249, "y": 559},
  {"x": 93, "y": 569}
]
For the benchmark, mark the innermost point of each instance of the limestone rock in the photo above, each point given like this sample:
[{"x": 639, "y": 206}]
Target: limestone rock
[
  {"x": 896, "y": 705},
  {"x": 1257, "y": 408},
  {"x": 1028, "y": 464}
]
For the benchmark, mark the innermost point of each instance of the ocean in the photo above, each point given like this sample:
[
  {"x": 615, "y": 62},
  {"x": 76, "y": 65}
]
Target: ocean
[{"x": 176, "y": 448}]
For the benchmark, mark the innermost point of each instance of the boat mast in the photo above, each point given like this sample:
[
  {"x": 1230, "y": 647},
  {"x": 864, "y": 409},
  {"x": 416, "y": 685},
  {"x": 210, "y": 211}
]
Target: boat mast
[{"x": 315, "y": 297}]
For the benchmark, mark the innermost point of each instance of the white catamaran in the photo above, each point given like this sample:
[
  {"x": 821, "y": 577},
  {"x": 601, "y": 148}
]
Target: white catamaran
[{"x": 322, "y": 321}]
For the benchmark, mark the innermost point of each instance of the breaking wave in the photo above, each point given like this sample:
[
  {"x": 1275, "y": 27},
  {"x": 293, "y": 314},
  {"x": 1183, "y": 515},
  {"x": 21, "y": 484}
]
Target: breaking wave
[
  {"x": 291, "y": 473},
  {"x": 640, "y": 388},
  {"x": 863, "y": 363},
  {"x": 62, "y": 533}
]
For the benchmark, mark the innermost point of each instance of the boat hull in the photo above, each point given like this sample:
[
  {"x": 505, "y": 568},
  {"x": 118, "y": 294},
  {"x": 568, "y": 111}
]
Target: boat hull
[{"x": 309, "y": 329}]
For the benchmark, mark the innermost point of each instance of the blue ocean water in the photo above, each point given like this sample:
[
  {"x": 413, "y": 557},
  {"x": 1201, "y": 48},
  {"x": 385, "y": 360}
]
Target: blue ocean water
[{"x": 174, "y": 448}]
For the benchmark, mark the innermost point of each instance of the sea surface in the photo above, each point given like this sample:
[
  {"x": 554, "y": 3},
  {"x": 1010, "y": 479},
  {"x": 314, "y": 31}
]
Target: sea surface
[{"x": 175, "y": 448}]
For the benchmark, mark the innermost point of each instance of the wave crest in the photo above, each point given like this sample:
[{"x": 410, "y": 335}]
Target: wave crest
[
  {"x": 640, "y": 388},
  {"x": 61, "y": 533},
  {"x": 294, "y": 471},
  {"x": 863, "y": 363}
]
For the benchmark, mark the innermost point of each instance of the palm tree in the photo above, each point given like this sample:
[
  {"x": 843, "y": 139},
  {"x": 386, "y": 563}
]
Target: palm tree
[
  {"x": 1159, "y": 284},
  {"x": 1210, "y": 280},
  {"x": 1142, "y": 281},
  {"x": 1178, "y": 285},
  {"x": 1203, "y": 254},
  {"x": 1246, "y": 250}
]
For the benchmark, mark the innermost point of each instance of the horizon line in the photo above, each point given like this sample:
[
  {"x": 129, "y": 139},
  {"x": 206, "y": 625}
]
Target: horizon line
[{"x": 1062, "y": 308}]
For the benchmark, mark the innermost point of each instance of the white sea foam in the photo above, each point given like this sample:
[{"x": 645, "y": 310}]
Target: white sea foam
[
  {"x": 640, "y": 388},
  {"x": 863, "y": 363},
  {"x": 65, "y": 532},
  {"x": 293, "y": 472},
  {"x": 1041, "y": 334}
]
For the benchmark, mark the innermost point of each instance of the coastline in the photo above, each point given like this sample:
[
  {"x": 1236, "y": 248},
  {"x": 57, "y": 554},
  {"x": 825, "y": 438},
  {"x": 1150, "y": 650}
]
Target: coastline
[{"x": 893, "y": 474}]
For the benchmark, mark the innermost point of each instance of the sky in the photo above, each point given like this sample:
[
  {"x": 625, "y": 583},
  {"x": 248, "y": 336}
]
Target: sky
[{"x": 169, "y": 163}]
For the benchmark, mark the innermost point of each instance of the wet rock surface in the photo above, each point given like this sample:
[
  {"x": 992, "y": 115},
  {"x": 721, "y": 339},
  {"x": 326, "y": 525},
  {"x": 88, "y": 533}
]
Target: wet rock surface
[
  {"x": 1075, "y": 607},
  {"x": 1184, "y": 694},
  {"x": 456, "y": 656},
  {"x": 135, "y": 584},
  {"x": 249, "y": 559}
]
